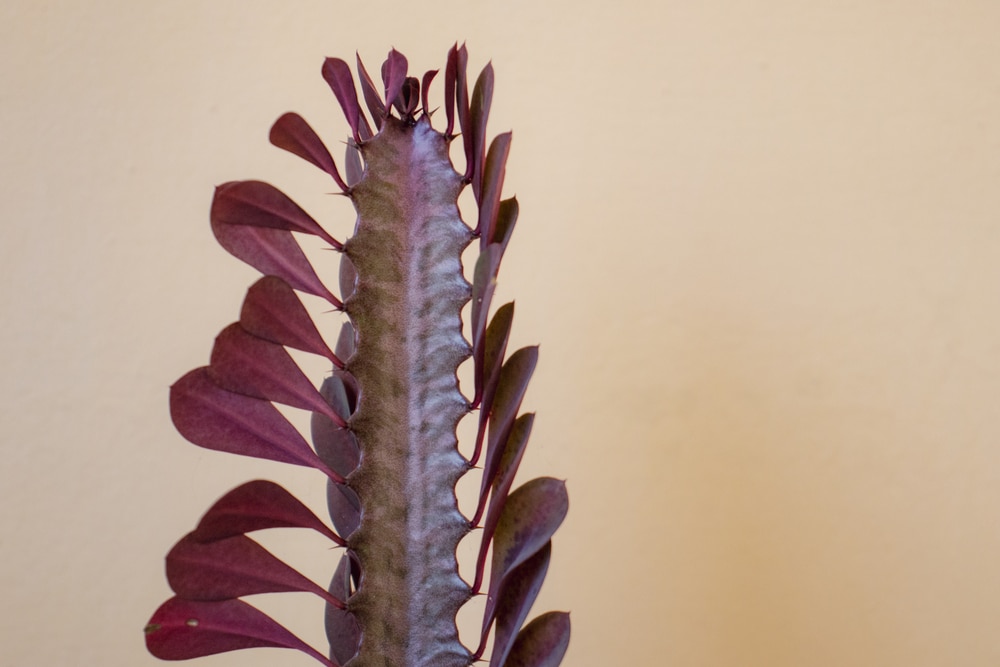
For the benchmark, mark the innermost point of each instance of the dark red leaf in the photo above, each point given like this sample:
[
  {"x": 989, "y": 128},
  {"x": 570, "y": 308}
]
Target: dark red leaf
[
  {"x": 353, "y": 167},
  {"x": 344, "y": 508},
  {"x": 211, "y": 417},
  {"x": 493, "y": 175},
  {"x": 272, "y": 311},
  {"x": 462, "y": 102},
  {"x": 338, "y": 76},
  {"x": 345, "y": 342},
  {"x": 394, "y": 76},
  {"x": 479, "y": 113},
  {"x": 292, "y": 133},
  {"x": 450, "y": 77},
  {"x": 505, "y": 219},
  {"x": 342, "y": 628},
  {"x": 516, "y": 597},
  {"x": 375, "y": 106},
  {"x": 252, "y": 366},
  {"x": 260, "y": 204},
  {"x": 336, "y": 445},
  {"x": 493, "y": 348},
  {"x": 530, "y": 516},
  {"x": 409, "y": 96},
  {"x": 542, "y": 643},
  {"x": 230, "y": 568},
  {"x": 483, "y": 285},
  {"x": 185, "y": 629},
  {"x": 254, "y": 506},
  {"x": 273, "y": 252},
  {"x": 425, "y": 85}
]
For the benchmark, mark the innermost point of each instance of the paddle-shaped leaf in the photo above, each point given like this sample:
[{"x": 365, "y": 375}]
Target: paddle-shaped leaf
[
  {"x": 338, "y": 76},
  {"x": 214, "y": 418},
  {"x": 254, "y": 506},
  {"x": 425, "y": 86},
  {"x": 394, "y": 76},
  {"x": 517, "y": 595},
  {"x": 491, "y": 350},
  {"x": 184, "y": 629},
  {"x": 292, "y": 133},
  {"x": 479, "y": 113},
  {"x": 483, "y": 285},
  {"x": 272, "y": 311},
  {"x": 260, "y": 204},
  {"x": 542, "y": 643},
  {"x": 230, "y": 568},
  {"x": 493, "y": 174},
  {"x": 342, "y": 629},
  {"x": 375, "y": 105}
]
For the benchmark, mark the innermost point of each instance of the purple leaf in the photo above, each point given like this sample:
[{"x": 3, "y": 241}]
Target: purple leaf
[
  {"x": 345, "y": 342},
  {"x": 344, "y": 508},
  {"x": 425, "y": 85},
  {"x": 272, "y": 311},
  {"x": 374, "y": 102},
  {"x": 342, "y": 629},
  {"x": 483, "y": 285},
  {"x": 272, "y": 252},
  {"x": 211, "y": 417},
  {"x": 260, "y": 204},
  {"x": 185, "y": 629},
  {"x": 531, "y": 515},
  {"x": 353, "y": 166},
  {"x": 338, "y": 76},
  {"x": 394, "y": 76},
  {"x": 292, "y": 133},
  {"x": 230, "y": 568},
  {"x": 514, "y": 378},
  {"x": 409, "y": 97},
  {"x": 491, "y": 350},
  {"x": 542, "y": 643},
  {"x": 516, "y": 597},
  {"x": 348, "y": 277},
  {"x": 254, "y": 506},
  {"x": 335, "y": 445},
  {"x": 505, "y": 219},
  {"x": 255, "y": 367},
  {"x": 464, "y": 114},
  {"x": 479, "y": 113},
  {"x": 493, "y": 175},
  {"x": 450, "y": 77}
]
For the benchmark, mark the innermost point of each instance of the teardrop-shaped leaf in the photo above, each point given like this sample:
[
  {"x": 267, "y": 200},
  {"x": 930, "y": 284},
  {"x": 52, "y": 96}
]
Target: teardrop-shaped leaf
[
  {"x": 272, "y": 311},
  {"x": 211, "y": 417},
  {"x": 255, "y": 367},
  {"x": 338, "y": 76},
  {"x": 342, "y": 628},
  {"x": 184, "y": 629},
  {"x": 394, "y": 76},
  {"x": 375, "y": 106},
  {"x": 493, "y": 175},
  {"x": 292, "y": 133},
  {"x": 505, "y": 219},
  {"x": 479, "y": 113},
  {"x": 530, "y": 516},
  {"x": 346, "y": 343},
  {"x": 260, "y": 204},
  {"x": 542, "y": 643},
  {"x": 230, "y": 568},
  {"x": 348, "y": 277},
  {"x": 517, "y": 595},
  {"x": 254, "y": 506},
  {"x": 344, "y": 507},
  {"x": 483, "y": 285},
  {"x": 491, "y": 351},
  {"x": 353, "y": 166},
  {"x": 425, "y": 85},
  {"x": 335, "y": 445},
  {"x": 273, "y": 252}
]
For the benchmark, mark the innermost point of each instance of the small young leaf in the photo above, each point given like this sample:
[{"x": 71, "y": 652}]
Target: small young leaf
[
  {"x": 338, "y": 76},
  {"x": 231, "y": 568},
  {"x": 254, "y": 506},
  {"x": 342, "y": 630},
  {"x": 211, "y": 417},
  {"x": 272, "y": 311},
  {"x": 394, "y": 76},
  {"x": 542, "y": 643},
  {"x": 255, "y": 367},
  {"x": 450, "y": 78},
  {"x": 517, "y": 595},
  {"x": 353, "y": 166},
  {"x": 260, "y": 204},
  {"x": 344, "y": 508},
  {"x": 425, "y": 85},
  {"x": 292, "y": 133},
  {"x": 184, "y": 629},
  {"x": 464, "y": 113},
  {"x": 346, "y": 344},
  {"x": 375, "y": 106}
]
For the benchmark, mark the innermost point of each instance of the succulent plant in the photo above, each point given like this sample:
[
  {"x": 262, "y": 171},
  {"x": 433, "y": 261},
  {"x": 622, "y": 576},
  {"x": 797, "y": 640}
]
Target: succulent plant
[{"x": 384, "y": 421}]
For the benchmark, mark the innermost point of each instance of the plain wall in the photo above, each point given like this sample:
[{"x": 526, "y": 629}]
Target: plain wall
[{"x": 759, "y": 245}]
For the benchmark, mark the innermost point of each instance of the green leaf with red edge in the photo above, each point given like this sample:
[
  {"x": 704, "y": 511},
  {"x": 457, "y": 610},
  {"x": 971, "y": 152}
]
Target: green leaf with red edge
[
  {"x": 493, "y": 175},
  {"x": 517, "y": 595},
  {"x": 542, "y": 643},
  {"x": 272, "y": 311},
  {"x": 260, "y": 204},
  {"x": 252, "y": 366},
  {"x": 211, "y": 417},
  {"x": 184, "y": 629},
  {"x": 292, "y": 133},
  {"x": 532, "y": 513},
  {"x": 272, "y": 252},
  {"x": 257, "y": 505},
  {"x": 233, "y": 567},
  {"x": 338, "y": 76},
  {"x": 342, "y": 630}
]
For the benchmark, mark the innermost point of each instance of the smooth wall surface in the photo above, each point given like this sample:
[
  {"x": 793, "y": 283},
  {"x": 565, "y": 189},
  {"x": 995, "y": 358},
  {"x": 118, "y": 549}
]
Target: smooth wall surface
[{"x": 759, "y": 245}]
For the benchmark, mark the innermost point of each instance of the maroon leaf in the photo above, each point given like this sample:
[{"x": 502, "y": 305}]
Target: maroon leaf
[
  {"x": 255, "y": 367},
  {"x": 211, "y": 417},
  {"x": 505, "y": 219},
  {"x": 374, "y": 102},
  {"x": 185, "y": 629},
  {"x": 491, "y": 351},
  {"x": 342, "y": 628},
  {"x": 272, "y": 311},
  {"x": 345, "y": 346},
  {"x": 479, "y": 113},
  {"x": 254, "y": 506},
  {"x": 348, "y": 277},
  {"x": 425, "y": 85},
  {"x": 292, "y": 133},
  {"x": 464, "y": 115},
  {"x": 409, "y": 97},
  {"x": 516, "y": 597},
  {"x": 514, "y": 378},
  {"x": 338, "y": 76},
  {"x": 483, "y": 285},
  {"x": 394, "y": 76},
  {"x": 272, "y": 252},
  {"x": 450, "y": 77},
  {"x": 260, "y": 204},
  {"x": 493, "y": 175},
  {"x": 335, "y": 445},
  {"x": 230, "y": 568},
  {"x": 531, "y": 515},
  {"x": 344, "y": 507},
  {"x": 353, "y": 167},
  {"x": 542, "y": 643}
]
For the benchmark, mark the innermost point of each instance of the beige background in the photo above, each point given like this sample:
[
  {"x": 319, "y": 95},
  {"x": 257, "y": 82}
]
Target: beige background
[{"x": 759, "y": 244}]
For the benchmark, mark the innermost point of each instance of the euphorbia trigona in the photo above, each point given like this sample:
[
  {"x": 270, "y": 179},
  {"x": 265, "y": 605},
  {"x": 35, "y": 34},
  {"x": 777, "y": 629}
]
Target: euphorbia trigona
[{"x": 384, "y": 422}]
